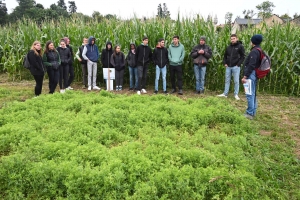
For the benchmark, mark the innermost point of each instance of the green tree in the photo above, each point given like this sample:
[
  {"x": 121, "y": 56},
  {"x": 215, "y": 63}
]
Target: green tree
[
  {"x": 162, "y": 11},
  {"x": 296, "y": 15},
  {"x": 24, "y": 9},
  {"x": 228, "y": 18},
  {"x": 97, "y": 16},
  {"x": 248, "y": 14},
  {"x": 3, "y": 13},
  {"x": 265, "y": 9},
  {"x": 72, "y": 7},
  {"x": 286, "y": 17},
  {"x": 62, "y": 4},
  {"x": 215, "y": 20}
]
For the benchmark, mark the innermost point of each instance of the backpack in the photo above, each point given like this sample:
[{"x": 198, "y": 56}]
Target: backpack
[
  {"x": 26, "y": 63},
  {"x": 265, "y": 65}
]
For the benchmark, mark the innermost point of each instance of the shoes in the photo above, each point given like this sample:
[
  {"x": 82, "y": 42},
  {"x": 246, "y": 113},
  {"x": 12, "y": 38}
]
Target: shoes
[
  {"x": 117, "y": 88},
  {"x": 144, "y": 91},
  {"x": 139, "y": 92},
  {"x": 155, "y": 92},
  {"x": 236, "y": 97},
  {"x": 197, "y": 92},
  {"x": 120, "y": 88},
  {"x": 62, "y": 91},
  {"x": 96, "y": 88},
  {"x": 89, "y": 88},
  {"x": 202, "y": 91},
  {"x": 130, "y": 89},
  {"x": 173, "y": 91},
  {"x": 180, "y": 92},
  {"x": 222, "y": 95},
  {"x": 166, "y": 92},
  {"x": 248, "y": 116},
  {"x": 70, "y": 88}
]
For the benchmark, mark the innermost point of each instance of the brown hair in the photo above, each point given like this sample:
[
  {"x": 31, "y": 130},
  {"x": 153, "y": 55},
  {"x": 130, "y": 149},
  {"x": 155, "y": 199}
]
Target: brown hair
[
  {"x": 233, "y": 35},
  {"x": 115, "y": 49},
  {"x": 47, "y": 46},
  {"x": 35, "y": 51}
]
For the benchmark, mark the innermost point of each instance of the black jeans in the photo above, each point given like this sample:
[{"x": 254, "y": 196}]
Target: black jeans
[
  {"x": 53, "y": 79},
  {"x": 142, "y": 75},
  {"x": 38, "y": 84},
  {"x": 176, "y": 70},
  {"x": 84, "y": 74},
  {"x": 72, "y": 75},
  {"x": 119, "y": 77},
  {"x": 63, "y": 75}
]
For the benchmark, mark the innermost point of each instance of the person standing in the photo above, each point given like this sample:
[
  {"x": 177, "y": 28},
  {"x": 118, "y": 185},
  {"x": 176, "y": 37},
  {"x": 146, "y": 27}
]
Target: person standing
[
  {"x": 83, "y": 62},
  {"x": 234, "y": 56},
  {"x": 36, "y": 66},
  {"x": 117, "y": 60},
  {"x": 143, "y": 56},
  {"x": 160, "y": 59},
  {"x": 201, "y": 53},
  {"x": 71, "y": 68},
  {"x": 133, "y": 72},
  {"x": 52, "y": 61},
  {"x": 106, "y": 55},
  {"x": 91, "y": 54},
  {"x": 176, "y": 56},
  {"x": 65, "y": 57},
  {"x": 251, "y": 62}
]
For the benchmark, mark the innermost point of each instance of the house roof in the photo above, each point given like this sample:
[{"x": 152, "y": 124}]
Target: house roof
[{"x": 247, "y": 21}]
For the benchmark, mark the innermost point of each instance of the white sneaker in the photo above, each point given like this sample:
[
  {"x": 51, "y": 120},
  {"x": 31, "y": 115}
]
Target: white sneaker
[
  {"x": 89, "y": 88},
  {"x": 96, "y": 88},
  {"x": 70, "y": 88},
  {"x": 144, "y": 91},
  {"x": 222, "y": 95},
  {"x": 139, "y": 92},
  {"x": 62, "y": 91},
  {"x": 236, "y": 97}
]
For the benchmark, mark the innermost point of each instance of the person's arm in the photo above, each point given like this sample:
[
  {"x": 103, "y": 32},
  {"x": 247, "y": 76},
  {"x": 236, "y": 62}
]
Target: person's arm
[
  {"x": 194, "y": 53},
  {"x": 154, "y": 57},
  {"x": 112, "y": 60},
  {"x": 32, "y": 60},
  {"x": 59, "y": 60},
  {"x": 45, "y": 61},
  {"x": 123, "y": 60},
  {"x": 208, "y": 52},
  {"x": 166, "y": 55},
  {"x": 84, "y": 53},
  {"x": 225, "y": 58},
  {"x": 182, "y": 54},
  {"x": 69, "y": 57},
  {"x": 169, "y": 54},
  {"x": 242, "y": 55},
  {"x": 253, "y": 60}
]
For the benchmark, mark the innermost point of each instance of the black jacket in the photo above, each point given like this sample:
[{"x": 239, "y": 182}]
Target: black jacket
[
  {"x": 143, "y": 55},
  {"x": 105, "y": 56},
  {"x": 201, "y": 59},
  {"x": 36, "y": 63},
  {"x": 131, "y": 57},
  {"x": 252, "y": 61},
  {"x": 65, "y": 55},
  {"x": 160, "y": 56},
  {"x": 71, "y": 50},
  {"x": 118, "y": 61},
  {"x": 234, "y": 55}
]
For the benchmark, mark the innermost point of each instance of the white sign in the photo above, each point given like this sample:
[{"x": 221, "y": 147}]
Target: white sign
[
  {"x": 247, "y": 87},
  {"x": 111, "y": 73}
]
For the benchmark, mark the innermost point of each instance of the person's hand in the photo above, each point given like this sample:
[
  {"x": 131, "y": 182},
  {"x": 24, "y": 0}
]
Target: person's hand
[
  {"x": 244, "y": 79},
  {"x": 201, "y": 51},
  {"x": 226, "y": 65},
  {"x": 79, "y": 59}
]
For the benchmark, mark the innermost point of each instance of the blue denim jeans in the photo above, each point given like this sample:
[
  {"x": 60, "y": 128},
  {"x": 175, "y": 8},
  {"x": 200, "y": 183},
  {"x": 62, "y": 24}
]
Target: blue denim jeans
[
  {"x": 235, "y": 72},
  {"x": 200, "y": 77},
  {"x": 252, "y": 101},
  {"x": 163, "y": 72},
  {"x": 133, "y": 74}
]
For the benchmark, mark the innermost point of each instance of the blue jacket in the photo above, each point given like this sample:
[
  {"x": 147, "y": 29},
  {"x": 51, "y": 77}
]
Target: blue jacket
[{"x": 90, "y": 51}]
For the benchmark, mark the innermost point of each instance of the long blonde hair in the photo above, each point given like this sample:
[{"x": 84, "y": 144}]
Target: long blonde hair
[{"x": 35, "y": 51}]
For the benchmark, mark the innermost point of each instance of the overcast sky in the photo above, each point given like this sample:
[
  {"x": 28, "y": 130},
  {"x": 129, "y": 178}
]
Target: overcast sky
[{"x": 148, "y": 8}]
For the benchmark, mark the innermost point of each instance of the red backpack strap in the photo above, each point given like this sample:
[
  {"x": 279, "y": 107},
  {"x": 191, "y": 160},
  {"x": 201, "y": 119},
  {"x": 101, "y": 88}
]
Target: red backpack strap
[{"x": 261, "y": 53}]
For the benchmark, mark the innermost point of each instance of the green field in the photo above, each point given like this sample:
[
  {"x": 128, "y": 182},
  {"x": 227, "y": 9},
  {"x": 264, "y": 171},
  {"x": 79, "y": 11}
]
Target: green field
[{"x": 101, "y": 145}]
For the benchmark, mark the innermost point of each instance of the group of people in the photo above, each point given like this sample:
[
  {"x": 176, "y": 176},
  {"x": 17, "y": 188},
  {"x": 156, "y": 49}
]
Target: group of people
[{"x": 59, "y": 65}]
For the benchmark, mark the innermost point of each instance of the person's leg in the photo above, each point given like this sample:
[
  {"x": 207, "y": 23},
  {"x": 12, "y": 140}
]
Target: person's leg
[
  {"x": 202, "y": 78},
  {"x": 50, "y": 77},
  {"x": 140, "y": 76},
  {"x": 84, "y": 74},
  {"x": 117, "y": 74},
  {"x": 228, "y": 73},
  {"x": 157, "y": 74},
  {"x": 38, "y": 84},
  {"x": 172, "y": 76},
  {"x": 121, "y": 79},
  {"x": 179, "y": 76},
  {"x": 90, "y": 72},
  {"x": 251, "y": 99},
  {"x": 61, "y": 73},
  {"x": 145, "y": 74},
  {"x": 236, "y": 77},
  {"x": 131, "y": 74},
  {"x": 70, "y": 78},
  {"x": 197, "y": 77},
  {"x": 56, "y": 78},
  {"x": 135, "y": 70},
  {"x": 66, "y": 76},
  {"x": 164, "y": 77},
  {"x": 94, "y": 67}
]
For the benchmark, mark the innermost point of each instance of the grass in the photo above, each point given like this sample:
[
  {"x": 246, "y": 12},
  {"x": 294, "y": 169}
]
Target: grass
[{"x": 277, "y": 122}]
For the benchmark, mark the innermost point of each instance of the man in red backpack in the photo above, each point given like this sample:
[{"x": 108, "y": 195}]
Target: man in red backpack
[{"x": 252, "y": 61}]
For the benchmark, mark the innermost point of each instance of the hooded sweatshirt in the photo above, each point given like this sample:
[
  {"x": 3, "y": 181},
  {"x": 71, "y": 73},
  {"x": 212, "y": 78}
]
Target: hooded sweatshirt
[
  {"x": 131, "y": 57},
  {"x": 160, "y": 56},
  {"x": 176, "y": 54},
  {"x": 118, "y": 61},
  {"x": 105, "y": 56},
  {"x": 71, "y": 50},
  {"x": 252, "y": 61},
  {"x": 143, "y": 55},
  {"x": 201, "y": 59},
  {"x": 90, "y": 51},
  {"x": 234, "y": 54}
]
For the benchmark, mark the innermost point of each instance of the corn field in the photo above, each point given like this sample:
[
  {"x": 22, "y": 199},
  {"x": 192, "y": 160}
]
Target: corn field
[{"x": 281, "y": 42}]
